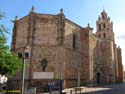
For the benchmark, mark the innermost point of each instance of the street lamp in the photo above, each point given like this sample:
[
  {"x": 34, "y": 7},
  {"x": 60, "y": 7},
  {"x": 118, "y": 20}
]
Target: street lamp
[{"x": 23, "y": 55}]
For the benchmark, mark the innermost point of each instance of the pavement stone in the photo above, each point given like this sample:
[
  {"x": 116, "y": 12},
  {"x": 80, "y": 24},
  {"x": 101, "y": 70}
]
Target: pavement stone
[{"x": 105, "y": 89}]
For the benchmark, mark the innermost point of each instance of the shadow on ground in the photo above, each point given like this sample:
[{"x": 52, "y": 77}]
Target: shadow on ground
[{"x": 110, "y": 89}]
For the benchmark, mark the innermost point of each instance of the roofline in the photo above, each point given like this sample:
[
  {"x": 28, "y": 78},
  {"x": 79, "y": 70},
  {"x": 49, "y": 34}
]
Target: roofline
[
  {"x": 44, "y": 14},
  {"x": 52, "y": 15},
  {"x": 35, "y": 14},
  {"x": 74, "y": 23}
]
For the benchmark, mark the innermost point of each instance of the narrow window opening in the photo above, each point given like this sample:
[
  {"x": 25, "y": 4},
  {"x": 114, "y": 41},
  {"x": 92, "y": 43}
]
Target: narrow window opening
[
  {"x": 99, "y": 27},
  {"x": 104, "y": 35},
  {"x": 99, "y": 35},
  {"x": 103, "y": 16},
  {"x": 104, "y": 25},
  {"x": 74, "y": 41}
]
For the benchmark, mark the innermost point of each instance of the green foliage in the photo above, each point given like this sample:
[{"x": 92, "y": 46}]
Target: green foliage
[
  {"x": 1, "y": 15},
  {"x": 9, "y": 62},
  {"x": 3, "y": 29}
]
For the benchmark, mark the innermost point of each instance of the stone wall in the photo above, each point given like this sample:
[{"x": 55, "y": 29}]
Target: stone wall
[
  {"x": 76, "y": 59},
  {"x": 39, "y": 32},
  {"x": 73, "y": 53},
  {"x": 22, "y": 33},
  {"x": 104, "y": 62},
  {"x": 45, "y": 30},
  {"x": 120, "y": 66},
  {"x": 116, "y": 63}
]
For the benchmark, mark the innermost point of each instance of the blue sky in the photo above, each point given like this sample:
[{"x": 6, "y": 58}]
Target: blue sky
[{"x": 81, "y": 12}]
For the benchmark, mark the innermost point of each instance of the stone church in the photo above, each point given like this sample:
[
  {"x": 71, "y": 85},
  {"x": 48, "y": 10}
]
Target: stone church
[{"x": 61, "y": 49}]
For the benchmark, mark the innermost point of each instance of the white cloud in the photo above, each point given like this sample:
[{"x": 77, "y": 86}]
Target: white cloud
[
  {"x": 119, "y": 30},
  {"x": 121, "y": 37}
]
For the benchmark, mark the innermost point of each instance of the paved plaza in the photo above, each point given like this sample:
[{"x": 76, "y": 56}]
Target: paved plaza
[{"x": 107, "y": 89}]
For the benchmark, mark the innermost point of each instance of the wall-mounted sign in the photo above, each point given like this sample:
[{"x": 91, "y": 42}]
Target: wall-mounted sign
[{"x": 43, "y": 75}]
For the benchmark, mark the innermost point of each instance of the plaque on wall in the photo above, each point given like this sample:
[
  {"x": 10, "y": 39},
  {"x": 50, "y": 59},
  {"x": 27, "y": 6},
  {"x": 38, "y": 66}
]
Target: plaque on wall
[{"x": 43, "y": 75}]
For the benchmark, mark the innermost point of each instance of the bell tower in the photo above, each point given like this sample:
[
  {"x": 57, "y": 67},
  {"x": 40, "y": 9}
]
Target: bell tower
[{"x": 104, "y": 27}]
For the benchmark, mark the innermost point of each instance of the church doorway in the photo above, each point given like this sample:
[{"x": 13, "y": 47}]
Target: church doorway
[{"x": 98, "y": 77}]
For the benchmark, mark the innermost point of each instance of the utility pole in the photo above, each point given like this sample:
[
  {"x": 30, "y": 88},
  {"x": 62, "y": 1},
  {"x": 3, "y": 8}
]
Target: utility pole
[{"x": 23, "y": 55}]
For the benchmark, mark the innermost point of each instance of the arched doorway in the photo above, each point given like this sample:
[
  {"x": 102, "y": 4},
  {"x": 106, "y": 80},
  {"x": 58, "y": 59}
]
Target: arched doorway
[{"x": 98, "y": 75}]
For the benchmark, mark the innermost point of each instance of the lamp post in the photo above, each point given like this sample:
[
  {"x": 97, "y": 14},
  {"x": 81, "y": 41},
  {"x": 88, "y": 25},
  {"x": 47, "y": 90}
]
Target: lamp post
[
  {"x": 23, "y": 55},
  {"x": 78, "y": 79},
  {"x": 78, "y": 74},
  {"x": 61, "y": 67}
]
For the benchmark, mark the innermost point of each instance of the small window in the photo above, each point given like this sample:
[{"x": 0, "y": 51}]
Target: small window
[
  {"x": 104, "y": 25},
  {"x": 103, "y": 16},
  {"x": 74, "y": 41},
  {"x": 104, "y": 35},
  {"x": 99, "y": 27},
  {"x": 99, "y": 35},
  {"x": 44, "y": 64}
]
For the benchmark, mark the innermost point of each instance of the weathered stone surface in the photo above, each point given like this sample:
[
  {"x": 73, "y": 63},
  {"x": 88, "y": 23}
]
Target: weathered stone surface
[{"x": 68, "y": 50}]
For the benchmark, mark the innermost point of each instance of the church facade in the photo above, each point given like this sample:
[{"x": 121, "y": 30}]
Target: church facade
[{"x": 61, "y": 49}]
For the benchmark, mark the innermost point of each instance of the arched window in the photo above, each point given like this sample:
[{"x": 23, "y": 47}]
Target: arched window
[
  {"x": 104, "y": 35},
  {"x": 44, "y": 64},
  {"x": 74, "y": 41},
  {"x": 99, "y": 27},
  {"x": 104, "y": 25},
  {"x": 103, "y": 16}
]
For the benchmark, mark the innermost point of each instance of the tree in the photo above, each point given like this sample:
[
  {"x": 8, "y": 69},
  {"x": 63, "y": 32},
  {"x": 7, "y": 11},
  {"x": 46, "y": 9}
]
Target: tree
[
  {"x": 3, "y": 29},
  {"x": 9, "y": 62}
]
